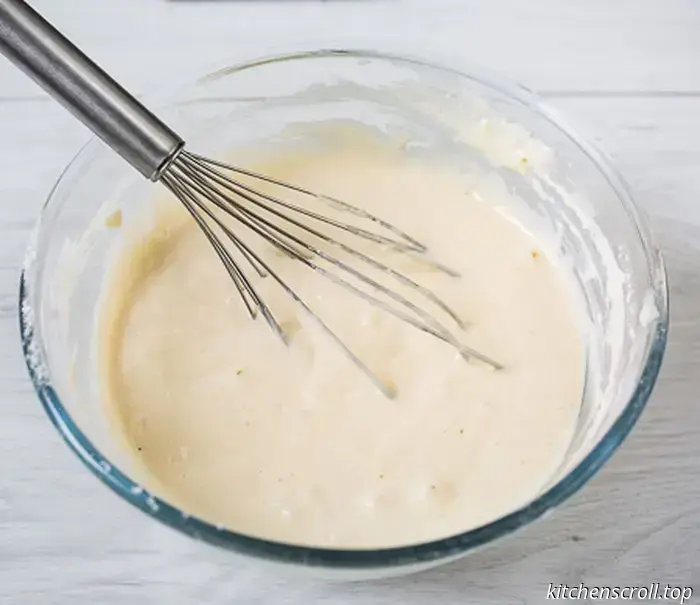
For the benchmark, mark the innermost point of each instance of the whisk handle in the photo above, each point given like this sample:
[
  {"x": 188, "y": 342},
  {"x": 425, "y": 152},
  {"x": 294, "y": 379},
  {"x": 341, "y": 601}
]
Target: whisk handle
[{"x": 69, "y": 76}]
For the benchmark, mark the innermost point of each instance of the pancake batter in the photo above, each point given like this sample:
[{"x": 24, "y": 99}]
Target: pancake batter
[{"x": 296, "y": 444}]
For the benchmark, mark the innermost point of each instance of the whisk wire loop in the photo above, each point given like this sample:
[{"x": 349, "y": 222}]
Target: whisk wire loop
[{"x": 204, "y": 186}]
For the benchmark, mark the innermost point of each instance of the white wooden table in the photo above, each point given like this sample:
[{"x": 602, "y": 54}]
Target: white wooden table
[{"x": 627, "y": 72}]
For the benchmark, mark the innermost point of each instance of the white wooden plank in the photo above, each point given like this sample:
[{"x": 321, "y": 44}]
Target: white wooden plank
[{"x": 548, "y": 45}]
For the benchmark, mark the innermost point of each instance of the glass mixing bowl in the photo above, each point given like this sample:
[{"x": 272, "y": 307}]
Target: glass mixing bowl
[{"x": 436, "y": 110}]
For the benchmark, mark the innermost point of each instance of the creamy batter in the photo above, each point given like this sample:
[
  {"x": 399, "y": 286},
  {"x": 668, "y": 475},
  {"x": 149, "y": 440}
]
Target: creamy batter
[{"x": 294, "y": 443}]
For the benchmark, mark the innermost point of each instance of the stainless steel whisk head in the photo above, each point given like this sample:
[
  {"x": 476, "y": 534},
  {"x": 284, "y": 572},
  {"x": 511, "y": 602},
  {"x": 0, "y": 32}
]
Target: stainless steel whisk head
[
  {"x": 225, "y": 205},
  {"x": 203, "y": 184}
]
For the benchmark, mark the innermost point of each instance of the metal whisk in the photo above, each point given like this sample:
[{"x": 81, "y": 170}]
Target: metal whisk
[{"x": 211, "y": 191}]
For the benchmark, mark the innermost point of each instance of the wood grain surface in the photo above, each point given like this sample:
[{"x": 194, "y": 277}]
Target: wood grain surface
[{"x": 626, "y": 72}]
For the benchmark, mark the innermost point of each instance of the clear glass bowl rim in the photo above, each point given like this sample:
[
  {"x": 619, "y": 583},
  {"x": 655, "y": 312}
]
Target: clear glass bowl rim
[{"x": 416, "y": 554}]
